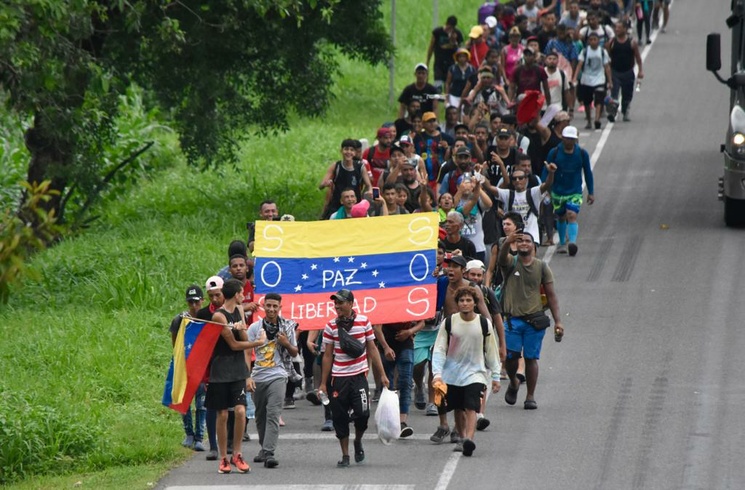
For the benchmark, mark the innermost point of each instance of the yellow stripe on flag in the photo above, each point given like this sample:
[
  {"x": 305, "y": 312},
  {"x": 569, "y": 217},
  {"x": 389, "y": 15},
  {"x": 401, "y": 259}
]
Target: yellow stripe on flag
[
  {"x": 179, "y": 365},
  {"x": 315, "y": 239}
]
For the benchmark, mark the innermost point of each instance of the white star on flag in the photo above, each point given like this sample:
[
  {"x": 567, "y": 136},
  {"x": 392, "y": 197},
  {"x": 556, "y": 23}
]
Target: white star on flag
[
  {"x": 188, "y": 347},
  {"x": 304, "y": 276},
  {"x": 336, "y": 259},
  {"x": 351, "y": 259},
  {"x": 363, "y": 265},
  {"x": 298, "y": 288},
  {"x": 375, "y": 273},
  {"x": 313, "y": 267},
  {"x": 381, "y": 284}
]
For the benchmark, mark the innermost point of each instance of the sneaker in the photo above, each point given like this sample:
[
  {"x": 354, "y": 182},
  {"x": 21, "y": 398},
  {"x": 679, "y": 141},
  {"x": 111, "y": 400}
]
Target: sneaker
[
  {"x": 312, "y": 397},
  {"x": 431, "y": 410},
  {"x": 561, "y": 249},
  {"x": 626, "y": 117},
  {"x": 270, "y": 462},
  {"x": 359, "y": 452},
  {"x": 198, "y": 446},
  {"x": 406, "y": 431},
  {"x": 376, "y": 395},
  {"x": 458, "y": 446},
  {"x": 454, "y": 437},
  {"x": 239, "y": 463},
  {"x": 344, "y": 463},
  {"x": 289, "y": 403},
  {"x": 440, "y": 434},
  {"x": 572, "y": 249},
  {"x": 597, "y": 124},
  {"x": 663, "y": 30},
  {"x": 224, "y": 466},
  {"x": 211, "y": 455},
  {"x": 188, "y": 441},
  {"x": 328, "y": 426},
  {"x": 468, "y": 447},
  {"x": 261, "y": 457},
  {"x": 246, "y": 435},
  {"x": 419, "y": 401},
  {"x": 482, "y": 422},
  {"x": 588, "y": 125}
]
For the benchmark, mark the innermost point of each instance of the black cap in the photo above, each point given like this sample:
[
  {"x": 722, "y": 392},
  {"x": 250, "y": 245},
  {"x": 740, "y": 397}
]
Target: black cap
[
  {"x": 457, "y": 259},
  {"x": 463, "y": 150},
  {"x": 194, "y": 292},
  {"x": 504, "y": 133},
  {"x": 343, "y": 295}
]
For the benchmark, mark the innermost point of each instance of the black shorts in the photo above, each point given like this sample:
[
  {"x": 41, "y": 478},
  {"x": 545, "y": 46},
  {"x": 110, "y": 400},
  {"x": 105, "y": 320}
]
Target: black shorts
[
  {"x": 221, "y": 396},
  {"x": 349, "y": 394},
  {"x": 465, "y": 397},
  {"x": 588, "y": 94}
]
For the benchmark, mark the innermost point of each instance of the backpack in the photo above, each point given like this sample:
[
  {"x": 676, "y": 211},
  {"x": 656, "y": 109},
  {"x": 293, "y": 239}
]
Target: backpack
[
  {"x": 484, "y": 329},
  {"x": 528, "y": 196},
  {"x": 485, "y": 11}
]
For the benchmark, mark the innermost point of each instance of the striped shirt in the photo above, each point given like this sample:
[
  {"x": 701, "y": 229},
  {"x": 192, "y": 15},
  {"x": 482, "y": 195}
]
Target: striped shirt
[{"x": 343, "y": 364}]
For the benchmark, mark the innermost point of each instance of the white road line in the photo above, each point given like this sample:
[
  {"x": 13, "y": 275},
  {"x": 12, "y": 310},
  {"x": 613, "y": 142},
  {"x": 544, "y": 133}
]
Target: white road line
[{"x": 447, "y": 472}]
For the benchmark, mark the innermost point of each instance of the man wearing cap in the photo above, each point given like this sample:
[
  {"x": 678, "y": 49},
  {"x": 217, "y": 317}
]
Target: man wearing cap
[
  {"x": 595, "y": 79},
  {"x": 572, "y": 162},
  {"x": 379, "y": 155},
  {"x": 477, "y": 46},
  {"x": 472, "y": 202},
  {"x": 503, "y": 157},
  {"x": 529, "y": 76},
  {"x": 448, "y": 285},
  {"x": 487, "y": 92},
  {"x": 558, "y": 82},
  {"x": 521, "y": 292},
  {"x": 443, "y": 43},
  {"x": 420, "y": 90},
  {"x": 193, "y": 439},
  {"x": 432, "y": 145},
  {"x": 344, "y": 377},
  {"x": 464, "y": 164},
  {"x": 403, "y": 171}
]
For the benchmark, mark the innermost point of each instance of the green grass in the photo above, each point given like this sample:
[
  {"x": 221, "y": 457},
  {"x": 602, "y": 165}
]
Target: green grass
[{"x": 85, "y": 348}]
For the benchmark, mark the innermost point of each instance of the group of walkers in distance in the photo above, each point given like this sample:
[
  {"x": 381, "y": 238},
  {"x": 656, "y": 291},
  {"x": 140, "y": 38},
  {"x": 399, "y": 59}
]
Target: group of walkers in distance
[{"x": 503, "y": 170}]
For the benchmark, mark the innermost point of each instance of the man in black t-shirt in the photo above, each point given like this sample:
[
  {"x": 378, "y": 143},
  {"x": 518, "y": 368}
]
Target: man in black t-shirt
[
  {"x": 454, "y": 240},
  {"x": 443, "y": 44},
  {"x": 420, "y": 90}
]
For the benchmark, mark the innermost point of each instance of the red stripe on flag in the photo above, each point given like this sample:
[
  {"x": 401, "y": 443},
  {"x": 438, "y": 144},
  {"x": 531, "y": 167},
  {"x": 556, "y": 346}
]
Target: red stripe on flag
[{"x": 197, "y": 362}]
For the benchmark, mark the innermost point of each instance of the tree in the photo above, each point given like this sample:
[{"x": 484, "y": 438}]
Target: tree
[{"x": 218, "y": 67}]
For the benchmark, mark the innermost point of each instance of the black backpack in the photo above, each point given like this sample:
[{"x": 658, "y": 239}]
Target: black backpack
[
  {"x": 484, "y": 329},
  {"x": 528, "y": 196}
]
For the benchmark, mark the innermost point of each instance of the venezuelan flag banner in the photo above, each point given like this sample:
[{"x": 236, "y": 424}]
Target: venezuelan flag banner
[
  {"x": 191, "y": 356},
  {"x": 387, "y": 262}
]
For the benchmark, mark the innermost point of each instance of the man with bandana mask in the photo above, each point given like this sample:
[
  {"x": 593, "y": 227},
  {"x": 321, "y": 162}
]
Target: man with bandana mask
[
  {"x": 344, "y": 377},
  {"x": 270, "y": 373}
]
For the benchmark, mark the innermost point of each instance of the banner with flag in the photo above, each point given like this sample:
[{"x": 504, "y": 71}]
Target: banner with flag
[
  {"x": 387, "y": 261},
  {"x": 191, "y": 356}
]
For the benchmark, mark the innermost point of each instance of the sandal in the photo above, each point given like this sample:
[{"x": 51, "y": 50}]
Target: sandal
[{"x": 530, "y": 405}]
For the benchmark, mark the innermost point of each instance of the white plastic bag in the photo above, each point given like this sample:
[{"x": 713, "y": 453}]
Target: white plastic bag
[{"x": 387, "y": 417}]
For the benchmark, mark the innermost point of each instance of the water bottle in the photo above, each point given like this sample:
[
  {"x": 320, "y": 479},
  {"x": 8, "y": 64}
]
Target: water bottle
[{"x": 323, "y": 397}]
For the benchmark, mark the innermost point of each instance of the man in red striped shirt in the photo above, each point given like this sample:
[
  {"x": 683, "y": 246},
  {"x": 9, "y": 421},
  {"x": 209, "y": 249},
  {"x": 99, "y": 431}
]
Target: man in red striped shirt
[{"x": 348, "y": 385}]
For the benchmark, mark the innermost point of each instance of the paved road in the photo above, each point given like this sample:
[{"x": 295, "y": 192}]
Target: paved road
[{"x": 645, "y": 391}]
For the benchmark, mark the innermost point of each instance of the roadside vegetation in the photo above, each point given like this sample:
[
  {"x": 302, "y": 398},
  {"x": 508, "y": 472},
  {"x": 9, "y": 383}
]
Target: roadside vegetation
[{"x": 85, "y": 345}]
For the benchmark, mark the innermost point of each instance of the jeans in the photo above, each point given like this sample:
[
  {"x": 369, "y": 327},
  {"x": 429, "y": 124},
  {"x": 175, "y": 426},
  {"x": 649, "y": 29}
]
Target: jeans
[
  {"x": 623, "y": 82},
  {"x": 198, "y": 429},
  {"x": 404, "y": 363}
]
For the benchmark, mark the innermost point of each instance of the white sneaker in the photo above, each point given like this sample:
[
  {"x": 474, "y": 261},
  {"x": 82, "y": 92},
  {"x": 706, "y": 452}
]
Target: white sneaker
[{"x": 561, "y": 249}]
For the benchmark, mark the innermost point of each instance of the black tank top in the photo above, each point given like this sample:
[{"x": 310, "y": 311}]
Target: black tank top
[
  {"x": 227, "y": 364},
  {"x": 621, "y": 55},
  {"x": 346, "y": 178}
]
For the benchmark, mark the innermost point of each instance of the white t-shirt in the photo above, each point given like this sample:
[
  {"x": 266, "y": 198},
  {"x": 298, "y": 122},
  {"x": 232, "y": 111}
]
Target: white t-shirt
[
  {"x": 520, "y": 205},
  {"x": 473, "y": 227},
  {"x": 531, "y": 14},
  {"x": 555, "y": 87},
  {"x": 605, "y": 33},
  {"x": 593, "y": 67}
]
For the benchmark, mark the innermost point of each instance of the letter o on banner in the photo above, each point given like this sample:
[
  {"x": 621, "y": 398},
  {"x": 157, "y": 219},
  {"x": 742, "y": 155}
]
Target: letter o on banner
[
  {"x": 413, "y": 267},
  {"x": 264, "y": 271}
]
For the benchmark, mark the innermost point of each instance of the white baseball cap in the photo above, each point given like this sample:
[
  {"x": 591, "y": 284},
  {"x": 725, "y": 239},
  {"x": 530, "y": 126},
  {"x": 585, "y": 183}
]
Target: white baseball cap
[
  {"x": 475, "y": 264},
  {"x": 491, "y": 21},
  {"x": 569, "y": 132},
  {"x": 214, "y": 282}
]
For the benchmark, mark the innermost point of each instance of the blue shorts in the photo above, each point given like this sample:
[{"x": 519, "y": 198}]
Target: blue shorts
[{"x": 520, "y": 336}]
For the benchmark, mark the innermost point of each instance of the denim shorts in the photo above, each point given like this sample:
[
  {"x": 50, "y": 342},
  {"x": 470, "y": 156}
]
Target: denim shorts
[{"x": 520, "y": 336}]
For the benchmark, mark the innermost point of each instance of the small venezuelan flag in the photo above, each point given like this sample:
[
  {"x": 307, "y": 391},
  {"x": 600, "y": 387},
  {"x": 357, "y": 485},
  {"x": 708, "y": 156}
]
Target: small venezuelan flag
[
  {"x": 191, "y": 356},
  {"x": 388, "y": 263}
]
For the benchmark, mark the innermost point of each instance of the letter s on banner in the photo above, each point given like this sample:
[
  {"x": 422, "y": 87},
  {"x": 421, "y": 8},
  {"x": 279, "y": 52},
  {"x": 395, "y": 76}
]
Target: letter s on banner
[
  {"x": 276, "y": 238},
  {"x": 421, "y": 231},
  {"x": 421, "y": 303}
]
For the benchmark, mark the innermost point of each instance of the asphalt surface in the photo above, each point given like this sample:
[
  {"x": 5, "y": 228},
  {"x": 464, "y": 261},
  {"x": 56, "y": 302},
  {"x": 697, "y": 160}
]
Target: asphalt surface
[{"x": 645, "y": 391}]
